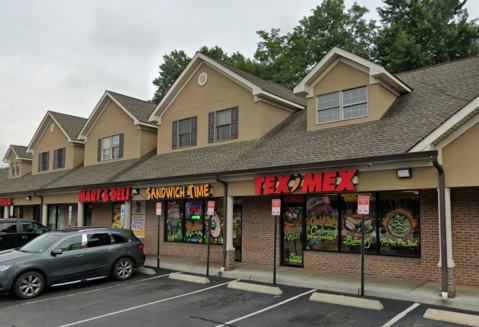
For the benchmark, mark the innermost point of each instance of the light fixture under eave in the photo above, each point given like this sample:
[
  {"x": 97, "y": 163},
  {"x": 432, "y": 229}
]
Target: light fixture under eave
[
  {"x": 404, "y": 173},
  {"x": 135, "y": 191},
  {"x": 28, "y": 198}
]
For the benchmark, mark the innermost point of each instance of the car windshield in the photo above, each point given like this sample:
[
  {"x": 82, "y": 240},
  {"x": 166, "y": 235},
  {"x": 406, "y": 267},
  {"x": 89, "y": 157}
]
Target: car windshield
[{"x": 41, "y": 243}]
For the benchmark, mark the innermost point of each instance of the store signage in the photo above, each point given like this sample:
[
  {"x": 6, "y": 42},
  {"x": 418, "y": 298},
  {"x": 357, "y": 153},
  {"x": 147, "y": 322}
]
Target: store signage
[
  {"x": 276, "y": 207},
  {"x": 211, "y": 208},
  {"x": 105, "y": 195},
  {"x": 179, "y": 192},
  {"x": 6, "y": 202},
  {"x": 311, "y": 182},
  {"x": 363, "y": 205},
  {"x": 158, "y": 208}
]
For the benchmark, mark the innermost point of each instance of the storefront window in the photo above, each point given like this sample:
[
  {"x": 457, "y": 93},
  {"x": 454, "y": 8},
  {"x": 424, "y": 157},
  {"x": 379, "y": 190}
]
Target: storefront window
[
  {"x": 88, "y": 214},
  {"x": 174, "y": 221},
  {"x": 322, "y": 222},
  {"x": 194, "y": 221},
  {"x": 216, "y": 222},
  {"x": 399, "y": 232},
  {"x": 351, "y": 224},
  {"x": 117, "y": 219}
]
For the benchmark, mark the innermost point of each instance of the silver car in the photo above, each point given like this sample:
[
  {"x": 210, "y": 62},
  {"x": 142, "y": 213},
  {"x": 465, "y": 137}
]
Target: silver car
[{"x": 68, "y": 256}]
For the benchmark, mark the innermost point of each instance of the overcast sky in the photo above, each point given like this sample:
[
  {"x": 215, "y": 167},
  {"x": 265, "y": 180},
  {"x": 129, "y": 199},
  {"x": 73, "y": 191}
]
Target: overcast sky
[{"x": 62, "y": 55}]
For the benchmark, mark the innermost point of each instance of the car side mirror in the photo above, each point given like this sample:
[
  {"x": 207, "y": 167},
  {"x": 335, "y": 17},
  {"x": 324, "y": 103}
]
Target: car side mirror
[{"x": 56, "y": 252}]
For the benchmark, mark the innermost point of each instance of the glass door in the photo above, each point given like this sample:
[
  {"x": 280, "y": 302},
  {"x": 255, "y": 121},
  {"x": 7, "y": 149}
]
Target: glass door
[{"x": 292, "y": 227}]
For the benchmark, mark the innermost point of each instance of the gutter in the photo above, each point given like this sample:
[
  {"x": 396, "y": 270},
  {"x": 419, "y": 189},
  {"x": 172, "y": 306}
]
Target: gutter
[
  {"x": 41, "y": 205},
  {"x": 225, "y": 220},
  {"x": 442, "y": 224},
  {"x": 273, "y": 169}
]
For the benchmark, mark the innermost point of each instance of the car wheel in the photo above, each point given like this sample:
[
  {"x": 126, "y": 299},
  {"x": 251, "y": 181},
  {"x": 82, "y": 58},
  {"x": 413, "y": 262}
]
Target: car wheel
[
  {"x": 29, "y": 285},
  {"x": 123, "y": 269}
]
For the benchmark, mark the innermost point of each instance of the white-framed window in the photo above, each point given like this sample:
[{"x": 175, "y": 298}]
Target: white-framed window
[
  {"x": 342, "y": 105},
  {"x": 43, "y": 159},
  {"x": 110, "y": 147},
  {"x": 15, "y": 169},
  {"x": 184, "y": 132},
  {"x": 59, "y": 158},
  {"x": 223, "y": 125}
]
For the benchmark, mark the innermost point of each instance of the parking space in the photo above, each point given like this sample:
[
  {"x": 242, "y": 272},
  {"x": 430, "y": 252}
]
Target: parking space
[{"x": 157, "y": 300}]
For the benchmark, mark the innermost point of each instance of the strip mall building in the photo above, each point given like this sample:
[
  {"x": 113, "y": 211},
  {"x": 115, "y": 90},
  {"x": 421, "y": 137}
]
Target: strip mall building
[{"x": 349, "y": 128}]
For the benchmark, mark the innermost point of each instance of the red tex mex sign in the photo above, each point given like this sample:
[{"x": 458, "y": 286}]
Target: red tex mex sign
[{"x": 312, "y": 182}]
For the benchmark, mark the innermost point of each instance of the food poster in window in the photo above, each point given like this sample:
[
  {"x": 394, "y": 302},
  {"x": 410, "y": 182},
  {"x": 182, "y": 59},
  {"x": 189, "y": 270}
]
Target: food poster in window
[
  {"x": 194, "y": 221},
  {"x": 138, "y": 218},
  {"x": 292, "y": 228},
  {"x": 174, "y": 221},
  {"x": 351, "y": 225},
  {"x": 216, "y": 224},
  {"x": 116, "y": 219},
  {"x": 322, "y": 222},
  {"x": 399, "y": 232}
]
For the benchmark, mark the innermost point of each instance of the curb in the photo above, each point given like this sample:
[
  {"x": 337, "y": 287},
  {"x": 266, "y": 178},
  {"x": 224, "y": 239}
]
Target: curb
[
  {"x": 347, "y": 301},
  {"x": 146, "y": 271},
  {"x": 190, "y": 278},
  {"x": 272, "y": 290},
  {"x": 452, "y": 317}
]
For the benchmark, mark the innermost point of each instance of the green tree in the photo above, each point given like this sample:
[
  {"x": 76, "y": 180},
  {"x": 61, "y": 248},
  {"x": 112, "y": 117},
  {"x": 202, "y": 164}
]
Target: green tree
[
  {"x": 171, "y": 68},
  {"x": 420, "y": 33}
]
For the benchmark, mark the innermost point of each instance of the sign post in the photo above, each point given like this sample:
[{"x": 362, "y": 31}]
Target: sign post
[
  {"x": 209, "y": 213},
  {"x": 276, "y": 211},
  {"x": 70, "y": 209},
  {"x": 158, "y": 214},
  {"x": 363, "y": 209}
]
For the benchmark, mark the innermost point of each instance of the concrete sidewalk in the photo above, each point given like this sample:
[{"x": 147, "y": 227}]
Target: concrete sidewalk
[{"x": 390, "y": 288}]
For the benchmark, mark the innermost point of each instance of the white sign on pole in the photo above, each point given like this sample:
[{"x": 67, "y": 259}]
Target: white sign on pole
[
  {"x": 276, "y": 208},
  {"x": 158, "y": 208},
  {"x": 211, "y": 208},
  {"x": 70, "y": 209},
  {"x": 363, "y": 205}
]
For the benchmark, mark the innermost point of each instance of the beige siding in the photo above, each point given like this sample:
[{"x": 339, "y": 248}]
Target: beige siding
[
  {"x": 147, "y": 142},
  {"x": 220, "y": 92},
  {"x": 344, "y": 77}
]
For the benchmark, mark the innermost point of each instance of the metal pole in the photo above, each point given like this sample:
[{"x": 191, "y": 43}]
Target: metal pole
[
  {"x": 158, "y": 244},
  {"x": 274, "y": 251},
  {"x": 362, "y": 257},
  {"x": 208, "y": 255}
]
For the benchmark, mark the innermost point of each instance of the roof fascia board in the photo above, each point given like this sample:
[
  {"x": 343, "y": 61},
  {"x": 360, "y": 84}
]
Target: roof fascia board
[
  {"x": 446, "y": 126},
  {"x": 135, "y": 120},
  {"x": 10, "y": 149},
  {"x": 38, "y": 134},
  {"x": 258, "y": 98},
  {"x": 96, "y": 115},
  {"x": 387, "y": 86},
  {"x": 458, "y": 132},
  {"x": 82, "y": 135},
  {"x": 280, "y": 102}
]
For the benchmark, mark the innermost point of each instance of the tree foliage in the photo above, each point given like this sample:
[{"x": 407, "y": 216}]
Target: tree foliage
[{"x": 420, "y": 33}]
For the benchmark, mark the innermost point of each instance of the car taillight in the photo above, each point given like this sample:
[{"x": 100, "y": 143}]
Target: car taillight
[{"x": 141, "y": 246}]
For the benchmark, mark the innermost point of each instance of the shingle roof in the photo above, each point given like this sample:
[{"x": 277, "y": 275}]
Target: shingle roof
[
  {"x": 438, "y": 93},
  {"x": 21, "y": 151},
  {"x": 72, "y": 125},
  {"x": 267, "y": 86},
  {"x": 140, "y": 109}
]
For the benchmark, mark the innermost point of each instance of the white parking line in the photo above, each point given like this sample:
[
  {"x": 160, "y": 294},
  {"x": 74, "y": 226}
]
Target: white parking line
[
  {"x": 266, "y": 309},
  {"x": 85, "y": 292},
  {"x": 401, "y": 315},
  {"x": 143, "y": 305}
]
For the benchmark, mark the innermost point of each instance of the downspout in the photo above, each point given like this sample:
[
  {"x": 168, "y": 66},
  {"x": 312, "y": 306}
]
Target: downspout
[
  {"x": 225, "y": 220},
  {"x": 41, "y": 205},
  {"x": 442, "y": 224}
]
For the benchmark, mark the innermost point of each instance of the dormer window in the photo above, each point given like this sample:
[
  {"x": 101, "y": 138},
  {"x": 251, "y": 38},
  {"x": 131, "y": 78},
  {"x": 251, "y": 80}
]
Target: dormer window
[
  {"x": 110, "y": 147},
  {"x": 15, "y": 169},
  {"x": 223, "y": 125},
  {"x": 342, "y": 105},
  {"x": 184, "y": 133}
]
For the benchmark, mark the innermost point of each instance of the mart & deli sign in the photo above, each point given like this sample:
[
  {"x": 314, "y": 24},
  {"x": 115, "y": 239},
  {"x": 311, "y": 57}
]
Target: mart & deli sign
[
  {"x": 311, "y": 182},
  {"x": 105, "y": 195}
]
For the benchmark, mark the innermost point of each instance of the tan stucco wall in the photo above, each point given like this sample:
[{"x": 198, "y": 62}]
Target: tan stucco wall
[
  {"x": 114, "y": 121},
  {"x": 20, "y": 201},
  {"x": 49, "y": 142},
  {"x": 220, "y": 92},
  {"x": 61, "y": 198},
  {"x": 344, "y": 77},
  {"x": 147, "y": 141},
  {"x": 24, "y": 167},
  {"x": 460, "y": 159},
  {"x": 78, "y": 153}
]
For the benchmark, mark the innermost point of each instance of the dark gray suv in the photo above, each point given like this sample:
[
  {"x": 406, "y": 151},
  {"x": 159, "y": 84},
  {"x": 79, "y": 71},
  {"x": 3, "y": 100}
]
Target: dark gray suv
[
  {"x": 17, "y": 232},
  {"x": 69, "y": 256}
]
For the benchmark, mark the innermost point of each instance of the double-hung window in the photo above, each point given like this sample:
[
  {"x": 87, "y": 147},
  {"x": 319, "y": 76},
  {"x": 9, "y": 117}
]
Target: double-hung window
[
  {"x": 59, "y": 158},
  {"x": 342, "y": 105},
  {"x": 184, "y": 132},
  {"x": 15, "y": 169},
  {"x": 110, "y": 147},
  {"x": 223, "y": 125},
  {"x": 43, "y": 159}
]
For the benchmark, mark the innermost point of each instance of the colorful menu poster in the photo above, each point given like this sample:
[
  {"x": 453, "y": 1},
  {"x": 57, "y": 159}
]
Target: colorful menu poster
[
  {"x": 116, "y": 219},
  {"x": 138, "y": 218}
]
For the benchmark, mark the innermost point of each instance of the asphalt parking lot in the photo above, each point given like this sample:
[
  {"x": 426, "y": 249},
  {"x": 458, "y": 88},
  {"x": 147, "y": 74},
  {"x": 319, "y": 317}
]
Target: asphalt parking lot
[{"x": 160, "y": 301}]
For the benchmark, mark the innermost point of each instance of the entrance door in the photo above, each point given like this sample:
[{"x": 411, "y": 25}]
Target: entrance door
[
  {"x": 292, "y": 226},
  {"x": 55, "y": 216}
]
